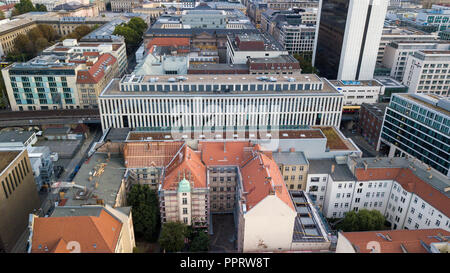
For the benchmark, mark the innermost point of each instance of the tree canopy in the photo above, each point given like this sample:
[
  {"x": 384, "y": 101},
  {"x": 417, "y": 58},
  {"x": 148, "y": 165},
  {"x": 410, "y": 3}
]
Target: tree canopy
[
  {"x": 132, "y": 32},
  {"x": 78, "y": 33},
  {"x": 25, "y": 6},
  {"x": 200, "y": 242},
  {"x": 172, "y": 236},
  {"x": 305, "y": 63},
  {"x": 29, "y": 45},
  {"x": 145, "y": 209},
  {"x": 363, "y": 220}
]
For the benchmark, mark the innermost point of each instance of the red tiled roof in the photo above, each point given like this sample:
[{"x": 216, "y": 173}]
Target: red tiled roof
[
  {"x": 7, "y": 7},
  {"x": 96, "y": 72},
  {"x": 409, "y": 238},
  {"x": 56, "y": 232},
  {"x": 185, "y": 164},
  {"x": 145, "y": 154},
  {"x": 255, "y": 176},
  {"x": 409, "y": 182}
]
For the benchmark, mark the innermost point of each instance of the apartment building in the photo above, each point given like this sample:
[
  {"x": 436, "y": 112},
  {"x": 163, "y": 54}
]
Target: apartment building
[
  {"x": 145, "y": 161},
  {"x": 392, "y": 34},
  {"x": 394, "y": 241},
  {"x": 42, "y": 83},
  {"x": 396, "y": 54},
  {"x": 68, "y": 75},
  {"x": 71, "y": 47},
  {"x": 184, "y": 191},
  {"x": 18, "y": 197},
  {"x": 403, "y": 190},
  {"x": 427, "y": 72},
  {"x": 418, "y": 125},
  {"x": 292, "y": 28},
  {"x": 359, "y": 92},
  {"x": 263, "y": 200},
  {"x": 293, "y": 167},
  {"x": 83, "y": 229},
  {"x": 229, "y": 100}
]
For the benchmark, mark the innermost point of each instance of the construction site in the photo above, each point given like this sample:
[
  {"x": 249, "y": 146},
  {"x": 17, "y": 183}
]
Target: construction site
[{"x": 100, "y": 180}]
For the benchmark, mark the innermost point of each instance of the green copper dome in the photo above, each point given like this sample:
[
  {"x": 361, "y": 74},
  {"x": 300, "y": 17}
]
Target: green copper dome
[{"x": 184, "y": 186}]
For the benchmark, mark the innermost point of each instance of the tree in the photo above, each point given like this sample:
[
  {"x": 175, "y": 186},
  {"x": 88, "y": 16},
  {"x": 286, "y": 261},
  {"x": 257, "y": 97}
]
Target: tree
[
  {"x": 200, "y": 243},
  {"x": 2, "y": 15},
  {"x": 34, "y": 34},
  {"x": 172, "y": 236},
  {"x": 144, "y": 202},
  {"x": 48, "y": 32},
  {"x": 305, "y": 62},
  {"x": 23, "y": 44},
  {"x": 22, "y": 7},
  {"x": 364, "y": 220},
  {"x": 138, "y": 25},
  {"x": 41, "y": 7}
]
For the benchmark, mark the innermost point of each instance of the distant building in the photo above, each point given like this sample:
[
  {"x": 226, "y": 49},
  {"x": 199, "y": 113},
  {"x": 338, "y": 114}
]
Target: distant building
[
  {"x": 281, "y": 65},
  {"x": 396, "y": 54},
  {"x": 124, "y": 5},
  {"x": 241, "y": 47},
  {"x": 394, "y": 241},
  {"x": 83, "y": 229},
  {"x": 428, "y": 72},
  {"x": 294, "y": 29},
  {"x": 348, "y": 38},
  {"x": 394, "y": 34},
  {"x": 418, "y": 125},
  {"x": 18, "y": 197}
]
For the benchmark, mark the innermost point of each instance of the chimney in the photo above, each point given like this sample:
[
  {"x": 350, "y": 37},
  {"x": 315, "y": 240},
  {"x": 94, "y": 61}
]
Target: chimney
[
  {"x": 332, "y": 168},
  {"x": 431, "y": 176},
  {"x": 365, "y": 165},
  {"x": 292, "y": 150}
]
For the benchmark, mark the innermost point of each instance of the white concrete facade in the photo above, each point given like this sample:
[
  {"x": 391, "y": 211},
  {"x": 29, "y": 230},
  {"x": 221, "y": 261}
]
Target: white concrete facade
[
  {"x": 357, "y": 50},
  {"x": 428, "y": 72}
]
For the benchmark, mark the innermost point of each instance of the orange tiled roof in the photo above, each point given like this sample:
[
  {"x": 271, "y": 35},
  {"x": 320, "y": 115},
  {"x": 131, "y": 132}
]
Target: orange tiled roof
[
  {"x": 145, "y": 154},
  {"x": 255, "y": 182},
  {"x": 188, "y": 164},
  {"x": 409, "y": 182},
  {"x": 409, "y": 238},
  {"x": 225, "y": 153},
  {"x": 54, "y": 233},
  {"x": 159, "y": 41},
  {"x": 97, "y": 71}
]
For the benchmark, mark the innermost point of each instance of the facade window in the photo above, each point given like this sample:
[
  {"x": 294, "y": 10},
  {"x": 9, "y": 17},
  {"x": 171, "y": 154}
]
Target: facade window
[
  {"x": 184, "y": 201},
  {"x": 185, "y": 211}
]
